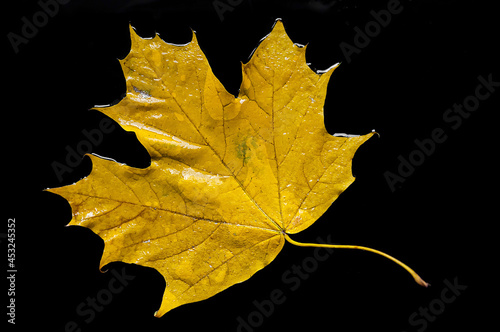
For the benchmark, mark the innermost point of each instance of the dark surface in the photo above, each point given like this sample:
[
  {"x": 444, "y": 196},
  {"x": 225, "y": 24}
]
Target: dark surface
[{"x": 440, "y": 220}]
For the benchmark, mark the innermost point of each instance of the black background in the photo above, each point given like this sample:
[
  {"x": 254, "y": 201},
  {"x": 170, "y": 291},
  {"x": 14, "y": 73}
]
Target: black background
[{"x": 440, "y": 220}]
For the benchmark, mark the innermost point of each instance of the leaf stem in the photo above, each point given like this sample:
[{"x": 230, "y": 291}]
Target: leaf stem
[{"x": 415, "y": 276}]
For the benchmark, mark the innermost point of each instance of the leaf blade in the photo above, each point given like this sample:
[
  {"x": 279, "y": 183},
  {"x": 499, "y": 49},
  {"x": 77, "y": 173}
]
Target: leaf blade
[{"x": 228, "y": 175}]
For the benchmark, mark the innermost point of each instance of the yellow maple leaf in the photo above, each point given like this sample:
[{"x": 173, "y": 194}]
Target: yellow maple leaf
[{"x": 229, "y": 178}]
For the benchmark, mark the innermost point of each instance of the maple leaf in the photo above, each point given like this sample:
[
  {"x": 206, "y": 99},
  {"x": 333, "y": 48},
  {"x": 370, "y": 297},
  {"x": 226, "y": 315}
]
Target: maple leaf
[{"x": 230, "y": 177}]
